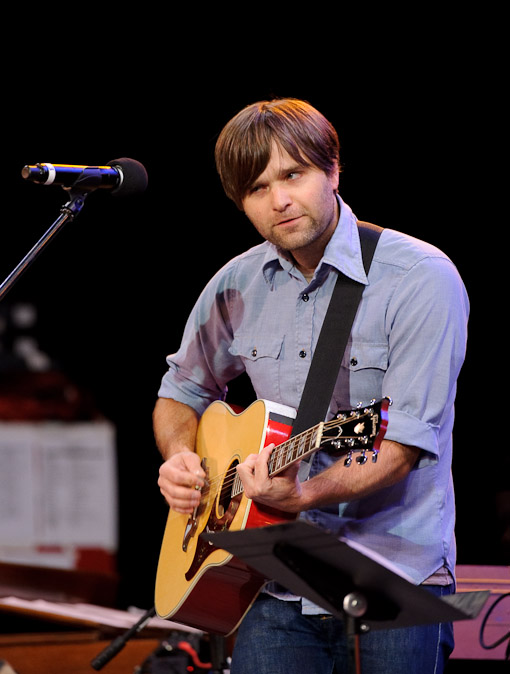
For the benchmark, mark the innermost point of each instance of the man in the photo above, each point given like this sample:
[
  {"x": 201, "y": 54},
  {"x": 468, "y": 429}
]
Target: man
[{"x": 261, "y": 314}]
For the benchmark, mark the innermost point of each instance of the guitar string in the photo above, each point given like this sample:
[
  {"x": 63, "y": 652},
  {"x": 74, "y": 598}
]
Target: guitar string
[
  {"x": 231, "y": 474},
  {"x": 280, "y": 450}
]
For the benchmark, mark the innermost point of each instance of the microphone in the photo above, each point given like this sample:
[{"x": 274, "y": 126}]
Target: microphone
[{"x": 123, "y": 177}]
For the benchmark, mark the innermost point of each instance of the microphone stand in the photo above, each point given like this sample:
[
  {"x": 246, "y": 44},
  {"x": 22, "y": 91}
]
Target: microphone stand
[
  {"x": 68, "y": 212},
  {"x": 118, "y": 644},
  {"x": 217, "y": 665}
]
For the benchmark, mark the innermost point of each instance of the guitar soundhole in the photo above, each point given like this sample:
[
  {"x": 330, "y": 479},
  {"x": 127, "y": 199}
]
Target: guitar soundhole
[{"x": 225, "y": 496}]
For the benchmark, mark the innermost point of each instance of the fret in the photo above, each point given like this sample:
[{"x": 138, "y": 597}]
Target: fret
[
  {"x": 317, "y": 435},
  {"x": 279, "y": 459},
  {"x": 237, "y": 486},
  {"x": 301, "y": 448},
  {"x": 273, "y": 461},
  {"x": 290, "y": 455}
]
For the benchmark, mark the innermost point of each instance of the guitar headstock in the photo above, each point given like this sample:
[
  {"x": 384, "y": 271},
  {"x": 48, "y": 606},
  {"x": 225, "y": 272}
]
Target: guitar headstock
[{"x": 359, "y": 430}]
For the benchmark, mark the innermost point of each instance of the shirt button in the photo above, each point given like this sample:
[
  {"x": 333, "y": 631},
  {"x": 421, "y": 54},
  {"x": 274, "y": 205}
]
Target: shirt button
[
  {"x": 254, "y": 352},
  {"x": 306, "y": 297},
  {"x": 302, "y": 354},
  {"x": 354, "y": 362}
]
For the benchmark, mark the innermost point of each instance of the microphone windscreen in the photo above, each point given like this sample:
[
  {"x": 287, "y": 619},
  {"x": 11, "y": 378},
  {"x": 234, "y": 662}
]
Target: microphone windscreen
[{"x": 134, "y": 177}]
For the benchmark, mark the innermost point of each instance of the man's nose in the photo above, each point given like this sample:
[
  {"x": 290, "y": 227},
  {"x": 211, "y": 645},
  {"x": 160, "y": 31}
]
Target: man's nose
[{"x": 281, "y": 198}]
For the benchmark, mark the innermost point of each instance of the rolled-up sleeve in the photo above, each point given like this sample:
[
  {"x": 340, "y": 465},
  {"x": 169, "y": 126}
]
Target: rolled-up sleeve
[
  {"x": 199, "y": 371},
  {"x": 427, "y": 320}
]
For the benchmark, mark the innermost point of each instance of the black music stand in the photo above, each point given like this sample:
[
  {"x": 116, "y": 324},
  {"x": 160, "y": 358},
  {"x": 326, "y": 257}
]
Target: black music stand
[{"x": 350, "y": 582}]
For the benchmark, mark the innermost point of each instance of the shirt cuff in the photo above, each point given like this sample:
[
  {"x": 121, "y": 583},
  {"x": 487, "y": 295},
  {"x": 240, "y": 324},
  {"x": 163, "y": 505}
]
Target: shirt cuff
[
  {"x": 184, "y": 392},
  {"x": 408, "y": 430}
]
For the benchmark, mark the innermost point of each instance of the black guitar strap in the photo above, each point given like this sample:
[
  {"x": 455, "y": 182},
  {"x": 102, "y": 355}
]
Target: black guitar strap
[{"x": 333, "y": 338}]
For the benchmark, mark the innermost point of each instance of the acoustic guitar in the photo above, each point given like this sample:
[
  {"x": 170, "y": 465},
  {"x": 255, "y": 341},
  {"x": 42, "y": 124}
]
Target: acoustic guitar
[{"x": 203, "y": 586}]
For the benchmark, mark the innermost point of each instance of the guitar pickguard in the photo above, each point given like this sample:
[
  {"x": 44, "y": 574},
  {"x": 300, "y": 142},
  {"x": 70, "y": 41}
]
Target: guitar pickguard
[{"x": 221, "y": 516}]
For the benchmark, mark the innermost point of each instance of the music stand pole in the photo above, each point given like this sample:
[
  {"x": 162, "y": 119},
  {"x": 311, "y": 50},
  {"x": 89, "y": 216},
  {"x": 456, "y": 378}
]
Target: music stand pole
[{"x": 354, "y": 607}]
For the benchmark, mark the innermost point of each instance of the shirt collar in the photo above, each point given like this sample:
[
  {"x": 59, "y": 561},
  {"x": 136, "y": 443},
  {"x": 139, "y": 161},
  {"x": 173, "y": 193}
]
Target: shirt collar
[{"x": 343, "y": 251}]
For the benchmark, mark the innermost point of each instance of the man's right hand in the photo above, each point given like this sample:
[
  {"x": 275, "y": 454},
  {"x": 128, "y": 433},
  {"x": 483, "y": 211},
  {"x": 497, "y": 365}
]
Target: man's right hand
[
  {"x": 181, "y": 479},
  {"x": 180, "y": 476}
]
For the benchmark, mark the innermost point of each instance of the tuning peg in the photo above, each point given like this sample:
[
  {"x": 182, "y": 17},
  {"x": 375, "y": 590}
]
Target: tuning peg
[{"x": 362, "y": 459}]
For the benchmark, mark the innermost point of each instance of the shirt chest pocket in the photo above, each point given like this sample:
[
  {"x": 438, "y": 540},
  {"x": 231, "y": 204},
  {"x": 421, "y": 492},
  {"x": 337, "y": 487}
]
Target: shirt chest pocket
[
  {"x": 363, "y": 356},
  {"x": 261, "y": 356},
  {"x": 361, "y": 375}
]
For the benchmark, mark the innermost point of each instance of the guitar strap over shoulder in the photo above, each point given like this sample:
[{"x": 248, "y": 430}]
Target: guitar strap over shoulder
[{"x": 333, "y": 338}]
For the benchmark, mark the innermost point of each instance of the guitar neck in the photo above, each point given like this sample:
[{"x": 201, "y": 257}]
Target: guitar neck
[
  {"x": 288, "y": 452},
  {"x": 295, "y": 449},
  {"x": 357, "y": 430}
]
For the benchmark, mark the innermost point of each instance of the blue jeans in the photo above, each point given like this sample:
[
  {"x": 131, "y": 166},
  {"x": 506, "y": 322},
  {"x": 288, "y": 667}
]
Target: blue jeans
[{"x": 275, "y": 638}]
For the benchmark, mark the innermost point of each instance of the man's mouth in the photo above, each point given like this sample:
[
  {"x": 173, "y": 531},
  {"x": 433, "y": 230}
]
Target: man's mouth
[{"x": 288, "y": 221}]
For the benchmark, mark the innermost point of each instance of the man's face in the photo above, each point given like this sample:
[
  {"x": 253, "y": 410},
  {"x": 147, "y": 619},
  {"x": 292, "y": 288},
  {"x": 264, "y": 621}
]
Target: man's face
[{"x": 293, "y": 206}]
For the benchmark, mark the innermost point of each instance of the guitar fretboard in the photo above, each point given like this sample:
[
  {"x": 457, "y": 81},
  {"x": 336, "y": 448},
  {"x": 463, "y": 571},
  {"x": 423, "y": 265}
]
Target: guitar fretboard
[{"x": 287, "y": 453}]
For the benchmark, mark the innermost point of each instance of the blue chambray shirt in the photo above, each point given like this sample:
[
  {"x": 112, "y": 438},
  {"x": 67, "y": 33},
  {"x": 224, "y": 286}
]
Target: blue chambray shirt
[{"x": 258, "y": 314}]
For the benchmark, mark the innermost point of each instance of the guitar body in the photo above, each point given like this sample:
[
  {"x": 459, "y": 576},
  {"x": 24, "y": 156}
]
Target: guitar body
[
  {"x": 197, "y": 584},
  {"x": 206, "y": 587}
]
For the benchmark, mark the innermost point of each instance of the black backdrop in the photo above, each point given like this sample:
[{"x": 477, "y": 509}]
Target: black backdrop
[{"x": 114, "y": 288}]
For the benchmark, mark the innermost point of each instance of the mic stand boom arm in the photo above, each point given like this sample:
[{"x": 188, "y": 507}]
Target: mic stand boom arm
[{"x": 68, "y": 212}]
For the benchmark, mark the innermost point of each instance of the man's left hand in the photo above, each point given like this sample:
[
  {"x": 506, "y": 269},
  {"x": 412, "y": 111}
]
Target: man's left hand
[{"x": 282, "y": 491}]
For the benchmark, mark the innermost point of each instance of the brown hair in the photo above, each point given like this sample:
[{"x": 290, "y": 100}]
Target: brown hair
[{"x": 243, "y": 148}]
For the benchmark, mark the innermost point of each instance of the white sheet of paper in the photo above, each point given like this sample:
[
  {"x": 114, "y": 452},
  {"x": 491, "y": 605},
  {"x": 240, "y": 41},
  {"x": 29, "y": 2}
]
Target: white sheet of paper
[{"x": 58, "y": 485}]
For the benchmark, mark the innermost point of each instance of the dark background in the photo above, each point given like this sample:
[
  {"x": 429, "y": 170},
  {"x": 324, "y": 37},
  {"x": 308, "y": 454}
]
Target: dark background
[{"x": 112, "y": 291}]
